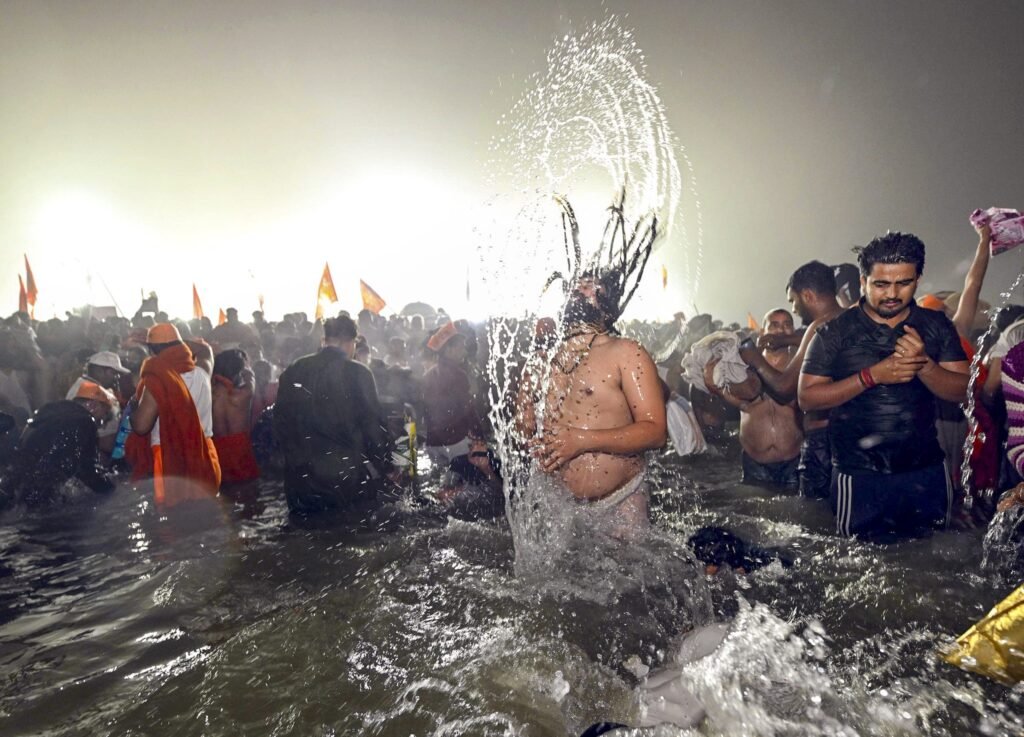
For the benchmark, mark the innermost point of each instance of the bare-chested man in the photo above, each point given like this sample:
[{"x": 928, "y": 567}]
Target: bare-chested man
[
  {"x": 604, "y": 408},
  {"x": 233, "y": 387},
  {"x": 812, "y": 293},
  {"x": 770, "y": 431}
]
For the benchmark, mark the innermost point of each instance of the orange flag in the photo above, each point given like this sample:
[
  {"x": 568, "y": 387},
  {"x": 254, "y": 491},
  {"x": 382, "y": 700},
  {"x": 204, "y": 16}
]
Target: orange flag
[
  {"x": 325, "y": 293},
  {"x": 664, "y": 276},
  {"x": 752, "y": 323},
  {"x": 222, "y": 318},
  {"x": 197, "y": 306},
  {"x": 371, "y": 300},
  {"x": 30, "y": 287},
  {"x": 22, "y": 296}
]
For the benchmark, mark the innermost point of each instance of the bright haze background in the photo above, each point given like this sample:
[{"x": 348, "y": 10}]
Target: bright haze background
[{"x": 241, "y": 145}]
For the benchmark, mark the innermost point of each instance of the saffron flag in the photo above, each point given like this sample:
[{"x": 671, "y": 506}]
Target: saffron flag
[
  {"x": 752, "y": 323},
  {"x": 260, "y": 298},
  {"x": 664, "y": 276},
  {"x": 30, "y": 284},
  {"x": 22, "y": 296},
  {"x": 325, "y": 293},
  {"x": 222, "y": 318},
  {"x": 371, "y": 300},
  {"x": 197, "y": 306}
]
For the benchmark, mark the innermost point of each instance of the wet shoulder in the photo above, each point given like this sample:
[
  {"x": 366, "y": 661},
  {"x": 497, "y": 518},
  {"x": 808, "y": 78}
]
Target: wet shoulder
[{"x": 844, "y": 323}]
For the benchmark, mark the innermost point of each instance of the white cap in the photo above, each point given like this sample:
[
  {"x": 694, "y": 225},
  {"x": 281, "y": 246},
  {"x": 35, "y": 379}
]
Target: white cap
[{"x": 108, "y": 359}]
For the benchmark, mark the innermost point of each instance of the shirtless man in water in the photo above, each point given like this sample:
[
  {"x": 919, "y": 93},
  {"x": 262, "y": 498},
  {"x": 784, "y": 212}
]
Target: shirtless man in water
[
  {"x": 604, "y": 407},
  {"x": 770, "y": 430},
  {"x": 812, "y": 293}
]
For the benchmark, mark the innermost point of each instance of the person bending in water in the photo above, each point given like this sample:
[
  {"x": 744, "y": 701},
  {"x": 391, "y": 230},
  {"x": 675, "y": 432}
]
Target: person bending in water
[{"x": 603, "y": 408}]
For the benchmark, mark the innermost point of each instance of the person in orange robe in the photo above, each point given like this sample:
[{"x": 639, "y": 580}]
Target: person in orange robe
[{"x": 172, "y": 412}]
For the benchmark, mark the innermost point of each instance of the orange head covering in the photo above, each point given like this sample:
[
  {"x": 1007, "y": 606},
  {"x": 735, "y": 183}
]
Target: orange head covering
[
  {"x": 163, "y": 332},
  {"x": 445, "y": 333},
  {"x": 95, "y": 392},
  {"x": 930, "y": 302}
]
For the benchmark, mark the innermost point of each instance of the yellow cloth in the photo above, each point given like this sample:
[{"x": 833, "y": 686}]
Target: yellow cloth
[{"x": 994, "y": 647}]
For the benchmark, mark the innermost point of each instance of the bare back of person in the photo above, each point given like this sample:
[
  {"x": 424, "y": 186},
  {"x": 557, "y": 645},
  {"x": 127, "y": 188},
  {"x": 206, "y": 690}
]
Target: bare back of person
[
  {"x": 585, "y": 391},
  {"x": 231, "y": 409}
]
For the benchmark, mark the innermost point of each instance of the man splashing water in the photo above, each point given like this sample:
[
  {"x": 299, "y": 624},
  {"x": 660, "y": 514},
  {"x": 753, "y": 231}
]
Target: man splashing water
[{"x": 602, "y": 404}]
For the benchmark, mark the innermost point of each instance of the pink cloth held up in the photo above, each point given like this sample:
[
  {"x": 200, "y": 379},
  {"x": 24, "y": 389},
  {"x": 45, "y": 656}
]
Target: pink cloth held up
[{"x": 1007, "y": 227}]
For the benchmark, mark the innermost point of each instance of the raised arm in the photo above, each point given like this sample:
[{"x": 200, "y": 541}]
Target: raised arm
[{"x": 968, "y": 307}]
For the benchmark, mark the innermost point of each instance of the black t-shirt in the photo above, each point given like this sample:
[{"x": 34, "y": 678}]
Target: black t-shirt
[{"x": 890, "y": 428}]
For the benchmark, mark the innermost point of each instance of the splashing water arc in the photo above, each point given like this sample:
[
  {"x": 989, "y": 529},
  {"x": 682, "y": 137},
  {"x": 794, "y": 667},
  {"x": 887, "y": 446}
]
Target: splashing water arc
[{"x": 590, "y": 130}]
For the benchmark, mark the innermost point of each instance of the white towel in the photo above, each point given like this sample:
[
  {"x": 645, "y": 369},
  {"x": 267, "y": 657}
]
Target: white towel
[{"x": 731, "y": 369}]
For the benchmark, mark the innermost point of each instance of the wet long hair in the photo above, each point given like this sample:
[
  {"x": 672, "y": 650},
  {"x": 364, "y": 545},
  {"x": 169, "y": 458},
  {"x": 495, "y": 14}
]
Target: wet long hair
[{"x": 617, "y": 267}]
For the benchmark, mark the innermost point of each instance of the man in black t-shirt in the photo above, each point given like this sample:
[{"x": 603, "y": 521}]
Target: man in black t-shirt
[{"x": 878, "y": 368}]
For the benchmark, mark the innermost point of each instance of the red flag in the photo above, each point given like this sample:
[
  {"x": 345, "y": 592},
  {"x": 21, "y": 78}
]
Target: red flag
[
  {"x": 197, "y": 306},
  {"x": 22, "y": 296},
  {"x": 222, "y": 318},
  {"x": 371, "y": 300},
  {"x": 664, "y": 276},
  {"x": 752, "y": 323},
  {"x": 325, "y": 293}
]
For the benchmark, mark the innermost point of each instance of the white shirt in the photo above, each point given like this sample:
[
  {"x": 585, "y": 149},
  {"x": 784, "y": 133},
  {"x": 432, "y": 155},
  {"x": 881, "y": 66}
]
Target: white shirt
[{"x": 198, "y": 383}]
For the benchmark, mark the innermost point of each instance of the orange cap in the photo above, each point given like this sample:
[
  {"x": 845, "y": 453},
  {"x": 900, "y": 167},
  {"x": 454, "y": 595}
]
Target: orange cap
[
  {"x": 445, "y": 333},
  {"x": 95, "y": 392},
  {"x": 163, "y": 332},
  {"x": 930, "y": 302}
]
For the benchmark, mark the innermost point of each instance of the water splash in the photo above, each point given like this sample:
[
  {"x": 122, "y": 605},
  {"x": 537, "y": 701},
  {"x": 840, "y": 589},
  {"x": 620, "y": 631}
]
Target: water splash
[{"x": 589, "y": 127}]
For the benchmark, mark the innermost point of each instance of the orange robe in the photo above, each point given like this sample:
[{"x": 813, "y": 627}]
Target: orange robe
[{"x": 184, "y": 465}]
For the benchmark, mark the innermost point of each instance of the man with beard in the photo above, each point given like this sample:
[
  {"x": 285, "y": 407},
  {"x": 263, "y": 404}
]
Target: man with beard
[
  {"x": 812, "y": 293},
  {"x": 603, "y": 409},
  {"x": 877, "y": 369}
]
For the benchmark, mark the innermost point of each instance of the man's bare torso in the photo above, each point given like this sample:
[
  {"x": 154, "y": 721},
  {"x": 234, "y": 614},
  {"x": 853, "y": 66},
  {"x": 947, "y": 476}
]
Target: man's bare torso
[
  {"x": 585, "y": 391},
  {"x": 770, "y": 432}
]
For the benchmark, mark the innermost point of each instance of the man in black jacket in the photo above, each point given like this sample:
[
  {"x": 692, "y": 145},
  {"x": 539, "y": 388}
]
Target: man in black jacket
[
  {"x": 330, "y": 427},
  {"x": 59, "y": 443}
]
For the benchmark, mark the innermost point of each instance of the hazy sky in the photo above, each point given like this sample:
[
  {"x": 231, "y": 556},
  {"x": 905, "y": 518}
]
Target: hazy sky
[{"x": 239, "y": 145}]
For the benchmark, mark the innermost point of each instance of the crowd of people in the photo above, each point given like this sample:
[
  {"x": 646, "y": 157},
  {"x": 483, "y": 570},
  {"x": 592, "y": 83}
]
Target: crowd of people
[{"x": 861, "y": 406}]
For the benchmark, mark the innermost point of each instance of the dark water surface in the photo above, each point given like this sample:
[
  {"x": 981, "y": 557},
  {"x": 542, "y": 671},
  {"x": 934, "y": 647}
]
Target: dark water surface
[{"x": 225, "y": 622}]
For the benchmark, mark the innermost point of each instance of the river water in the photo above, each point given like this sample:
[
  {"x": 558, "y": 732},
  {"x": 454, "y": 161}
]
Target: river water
[{"x": 232, "y": 621}]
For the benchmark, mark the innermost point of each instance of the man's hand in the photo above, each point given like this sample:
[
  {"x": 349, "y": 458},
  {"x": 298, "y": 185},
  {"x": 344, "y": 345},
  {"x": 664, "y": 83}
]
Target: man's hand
[
  {"x": 897, "y": 369},
  {"x": 985, "y": 233},
  {"x": 1011, "y": 499},
  {"x": 774, "y": 341},
  {"x": 559, "y": 446},
  {"x": 911, "y": 346},
  {"x": 709, "y": 376}
]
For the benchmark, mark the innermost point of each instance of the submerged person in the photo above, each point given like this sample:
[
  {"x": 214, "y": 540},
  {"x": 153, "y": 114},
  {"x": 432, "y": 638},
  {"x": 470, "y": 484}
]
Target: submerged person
[
  {"x": 471, "y": 488},
  {"x": 330, "y": 427},
  {"x": 172, "y": 417},
  {"x": 877, "y": 368},
  {"x": 60, "y": 443},
  {"x": 233, "y": 387},
  {"x": 604, "y": 409}
]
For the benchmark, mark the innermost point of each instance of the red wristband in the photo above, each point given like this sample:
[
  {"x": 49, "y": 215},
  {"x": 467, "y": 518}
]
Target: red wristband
[{"x": 867, "y": 379}]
